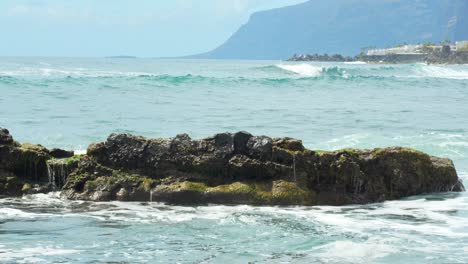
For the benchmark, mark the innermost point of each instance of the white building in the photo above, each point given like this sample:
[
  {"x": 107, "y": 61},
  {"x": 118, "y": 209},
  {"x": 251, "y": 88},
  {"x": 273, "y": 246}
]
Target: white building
[
  {"x": 461, "y": 45},
  {"x": 406, "y": 49}
]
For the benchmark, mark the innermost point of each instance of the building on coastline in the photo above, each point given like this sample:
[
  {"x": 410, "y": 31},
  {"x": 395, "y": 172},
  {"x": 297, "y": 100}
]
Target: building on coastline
[
  {"x": 416, "y": 49},
  {"x": 461, "y": 45},
  {"x": 404, "y": 49},
  {"x": 428, "y": 52}
]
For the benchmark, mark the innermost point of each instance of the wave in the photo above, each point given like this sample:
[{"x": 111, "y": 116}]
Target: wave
[
  {"x": 406, "y": 214},
  {"x": 308, "y": 71},
  {"x": 279, "y": 73},
  {"x": 341, "y": 234},
  {"x": 67, "y": 72},
  {"x": 355, "y": 62},
  {"x": 302, "y": 69},
  {"x": 357, "y": 70},
  {"x": 155, "y": 78},
  {"x": 442, "y": 72}
]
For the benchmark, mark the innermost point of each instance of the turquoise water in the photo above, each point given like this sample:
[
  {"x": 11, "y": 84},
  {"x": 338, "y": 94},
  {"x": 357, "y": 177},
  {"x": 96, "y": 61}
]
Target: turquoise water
[{"x": 70, "y": 103}]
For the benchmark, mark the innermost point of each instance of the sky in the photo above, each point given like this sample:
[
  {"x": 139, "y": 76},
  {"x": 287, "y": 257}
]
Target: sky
[{"x": 143, "y": 28}]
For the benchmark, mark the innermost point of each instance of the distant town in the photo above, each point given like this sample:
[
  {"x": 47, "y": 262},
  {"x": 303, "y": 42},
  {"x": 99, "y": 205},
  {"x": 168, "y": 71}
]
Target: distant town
[{"x": 444, "y": 53}]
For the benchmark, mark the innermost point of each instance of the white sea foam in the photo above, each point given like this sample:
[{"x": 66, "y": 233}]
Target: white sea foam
[
  {"x": 80, "y": 152},
  {"x": 355, "y": 62},
  {"x": 349, "y": 219},
  {"x": 348, "y": 251},
  {"x": 443, "y": 72},
  {"x": 65, "y": 72},
  {"x": 14, "y": 213},
  {"x": 33, "y": 254},
  {"x": 459, "y": 72},
  {"x": 302, "y": 69},
  {"x": 347, "y": 141},
  {"x": 360, "y": 232}
]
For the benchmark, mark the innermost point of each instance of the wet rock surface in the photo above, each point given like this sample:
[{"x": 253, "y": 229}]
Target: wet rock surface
[
  {"x": 61, "y": 154},
  {"x": 228, "y": 168}
]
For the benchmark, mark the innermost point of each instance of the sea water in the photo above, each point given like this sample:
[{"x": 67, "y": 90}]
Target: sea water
[{"x": 70, "y": 103}]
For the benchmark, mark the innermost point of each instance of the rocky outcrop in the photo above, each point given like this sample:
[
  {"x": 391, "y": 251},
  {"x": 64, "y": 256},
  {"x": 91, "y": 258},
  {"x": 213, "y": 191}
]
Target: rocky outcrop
[
  {"x": 431, "y": 57},
  {"x": 21, "y": 165},
  {"x": 24, "y": 168},
  {"x": 244, "y": 169},
  {"x": 227, "y": 168},
  {"x": 457, "y": 57},
  {"x": 321, "y": 57}
]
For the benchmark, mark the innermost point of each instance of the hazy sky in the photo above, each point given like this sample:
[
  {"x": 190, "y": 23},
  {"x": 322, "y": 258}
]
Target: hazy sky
[{"x": 146, "y": 28}]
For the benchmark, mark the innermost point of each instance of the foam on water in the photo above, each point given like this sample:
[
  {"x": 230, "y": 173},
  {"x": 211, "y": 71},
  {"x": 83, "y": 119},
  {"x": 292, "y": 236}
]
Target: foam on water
[
  {"x": 347, "y": 251},
  {"x": 80, "y": 152},
  {"x": 444, "y": 72},
  {"x": 355, "y": 62},
  {"x": 302, "y": 69},
  {"x": 378, "y": 71},
  {"x": 33, "y": 255},
  {"x": 68, "y": 72},
  {"x": 350, "y": 234}
]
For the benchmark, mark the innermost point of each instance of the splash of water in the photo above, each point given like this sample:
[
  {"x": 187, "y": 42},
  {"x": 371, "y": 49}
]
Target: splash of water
[{"x": 57, "y": 172}]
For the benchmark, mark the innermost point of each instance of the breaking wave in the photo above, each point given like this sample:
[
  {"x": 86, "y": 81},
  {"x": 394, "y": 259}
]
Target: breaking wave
[
  {"x": 279, "y": 73},
  {"x": 360, "y": 70},
  {"x": 303, "y": 69}
]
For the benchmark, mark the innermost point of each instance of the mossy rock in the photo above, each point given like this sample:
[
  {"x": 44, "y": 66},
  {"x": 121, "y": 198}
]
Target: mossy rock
[
  {"x": 234, "y": 193},
  {"x": 36, "y": 151},
  {"x": 62, "y": 168},
  {"x": 73, "y": 160},
  {"x": 263, "y": 172},
  {"x": 31, "y": 163},
  {"x": 117, "y": 187},
  {"x": 119, "y": 179},
  {"x": 10, "y": 184},
  {"x": 93, "y": 181},
  {"x": 256, "y": 193},
  {"x": 288, "y": 193},
  {"x": 185, "y": 186},
  {"x": 26, "y": 188},
  {"x": 291, "y": 144},
  {"x": 233, "y": 188}
]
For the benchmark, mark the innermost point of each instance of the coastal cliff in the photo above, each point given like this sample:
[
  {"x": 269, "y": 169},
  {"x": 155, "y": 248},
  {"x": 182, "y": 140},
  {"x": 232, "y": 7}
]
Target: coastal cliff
[
  {"x": 227, "y": 168},
  {"x": 344, "y": 26}
]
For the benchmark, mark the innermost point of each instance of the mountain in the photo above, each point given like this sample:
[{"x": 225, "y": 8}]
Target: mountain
[{"x": 344, "y": 26}]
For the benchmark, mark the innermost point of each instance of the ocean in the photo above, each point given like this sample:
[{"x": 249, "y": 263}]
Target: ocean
[{"x": 72, "y": 102}]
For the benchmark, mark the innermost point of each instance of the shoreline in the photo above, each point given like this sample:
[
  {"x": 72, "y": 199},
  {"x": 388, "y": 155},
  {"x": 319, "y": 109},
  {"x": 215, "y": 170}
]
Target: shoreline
[{"x": 432, "y": 58}]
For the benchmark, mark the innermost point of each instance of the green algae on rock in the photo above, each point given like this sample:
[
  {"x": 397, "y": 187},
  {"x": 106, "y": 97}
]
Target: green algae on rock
[
  {"x": 244, "y": 169},
  {"x": 227, "y": 168},
  {"x": 23, "y": 167}
]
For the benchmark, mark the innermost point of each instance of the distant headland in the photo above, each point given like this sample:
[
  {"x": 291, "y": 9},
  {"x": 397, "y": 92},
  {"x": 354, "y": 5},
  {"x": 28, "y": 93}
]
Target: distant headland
[
  {"x": 121, "y": 57},
  {"x": 403, "y": 53}
]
